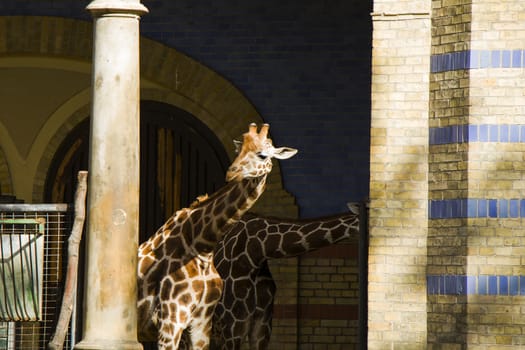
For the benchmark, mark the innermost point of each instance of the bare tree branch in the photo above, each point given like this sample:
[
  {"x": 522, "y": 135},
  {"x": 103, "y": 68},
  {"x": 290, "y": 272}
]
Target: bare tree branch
[{"x": 57, "y": 342}]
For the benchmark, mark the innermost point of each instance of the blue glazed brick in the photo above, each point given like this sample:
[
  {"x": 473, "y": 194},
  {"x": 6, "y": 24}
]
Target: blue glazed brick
[
  {"x": 463, "y": 207},
  {"x": 503, "y": 208},
  {"x": 503, "y": 285},
  {"x": 454, "y": 134},
  {"x": 448, "y": 62},
  {"x": 473, "y": 59},
  {"x": 484, "y": 59},
  {"x": 483, "y": 133},
  {"x": 514, "y": 210},
  {"x": 456, "y": 61},
  {"x": 447, "y": 134},
  {"x": 433, "y": 210},
  {"x": 450, "y": 285},
  {"x": 461, "y": 285},
  {"x": 471, "y": 285},
  {"x": 482, "y": 208},
  {"x": 430, "y": 285},
  {"x": 493, "y": 133},
  {"x": 432, "y": 136},
  {"x": 514, "y": 133},
  {"x": 472, "y": 133},
  {"x": 450, "y": 208},
  {"x": 441, "y": 208},
  {"x": 493, "y": 208},
  {"x": 482, "y": 285},
  {"x": 522, "y": 208},
  {"x": 516, "y": 58},
  {"x": 434, "y": 64},
  {"x": 464, "y": 133},
  {"x": 472, "y": 208},
  {"x": 522, "y": 133},
  {"x": 435, "y": 284},
  {"x": 505, "y": 59},
  {"x": 504, "y": 133},
  {"x": 461, "y": 60},
  {"x": 495, "y": 61},
  {"x": 513, "y": 285},
  {"x": 493, "y": 285}
]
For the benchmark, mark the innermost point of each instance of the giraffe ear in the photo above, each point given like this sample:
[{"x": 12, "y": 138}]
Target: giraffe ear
[
  {"x": 238, "y": 145},
  {"x": 284, "y": 152},
  {"x": 354, "y": 207}
]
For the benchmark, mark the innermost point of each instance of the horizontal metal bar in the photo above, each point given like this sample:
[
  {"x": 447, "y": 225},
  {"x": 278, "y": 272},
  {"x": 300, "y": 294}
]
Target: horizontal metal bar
[
  {"x": 41, "y": 222},
  {"x": 47, "y": 207}
]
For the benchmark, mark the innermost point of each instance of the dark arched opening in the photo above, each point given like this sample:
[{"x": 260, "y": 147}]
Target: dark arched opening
[{"x": 180, "y": 159}]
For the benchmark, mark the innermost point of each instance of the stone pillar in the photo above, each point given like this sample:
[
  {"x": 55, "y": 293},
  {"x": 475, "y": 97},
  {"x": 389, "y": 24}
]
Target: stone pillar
[
  {"x": 110, "y": 316},
  {"x": 398, "y": 216}
]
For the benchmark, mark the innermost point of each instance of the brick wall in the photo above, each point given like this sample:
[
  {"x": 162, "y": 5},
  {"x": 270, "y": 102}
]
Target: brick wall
[
  {"x": 329, "y": 298},
  {"x": 317, "y": 300},
  {"x": 398, "y": 175},
  {"x": 476, "y": 153},
  {"x": 304, "y": 66},
  {"x": 448, "y": 172}
]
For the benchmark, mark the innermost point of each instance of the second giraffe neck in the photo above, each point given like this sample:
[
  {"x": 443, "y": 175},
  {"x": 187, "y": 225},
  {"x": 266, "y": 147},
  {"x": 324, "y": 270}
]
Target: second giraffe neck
[
  {"x": 207, "y": 222},
  {"x": 287, "y": 238}
]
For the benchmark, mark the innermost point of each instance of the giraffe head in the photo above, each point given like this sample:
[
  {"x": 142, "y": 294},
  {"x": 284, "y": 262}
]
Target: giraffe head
[{"x": 255, "y": 155}]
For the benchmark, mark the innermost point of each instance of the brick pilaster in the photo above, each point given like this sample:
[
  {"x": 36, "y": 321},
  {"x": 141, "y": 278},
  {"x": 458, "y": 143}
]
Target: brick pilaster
[
  {"x": 477, "y": 206},
  {"x": 398, "y": 175}
]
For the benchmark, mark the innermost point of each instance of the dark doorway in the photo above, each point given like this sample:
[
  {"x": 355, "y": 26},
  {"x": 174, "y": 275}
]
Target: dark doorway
[{"x": 180, "y": 159}]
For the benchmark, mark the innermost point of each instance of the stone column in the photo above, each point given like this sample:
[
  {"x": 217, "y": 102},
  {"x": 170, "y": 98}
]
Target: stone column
[{"x": 110, "y": 316}]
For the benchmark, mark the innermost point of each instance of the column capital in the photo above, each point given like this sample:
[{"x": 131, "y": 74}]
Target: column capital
[{"x": 98, "y": 7}]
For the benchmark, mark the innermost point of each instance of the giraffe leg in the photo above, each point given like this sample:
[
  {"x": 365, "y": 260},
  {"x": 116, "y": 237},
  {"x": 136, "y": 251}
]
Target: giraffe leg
[
  {"x": 168, "y": 341},
  {"x": 169, "y": 337},
  {"x": 200, "y": 333},
  {"x": 169, "y": 330},
  {"x": 261, "y": 325}
]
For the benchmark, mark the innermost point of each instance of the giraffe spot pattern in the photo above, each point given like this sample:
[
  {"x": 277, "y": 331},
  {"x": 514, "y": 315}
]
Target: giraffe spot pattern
[
  {"x": 246, "y": 303},
  {"x": 178, "y": 283}
]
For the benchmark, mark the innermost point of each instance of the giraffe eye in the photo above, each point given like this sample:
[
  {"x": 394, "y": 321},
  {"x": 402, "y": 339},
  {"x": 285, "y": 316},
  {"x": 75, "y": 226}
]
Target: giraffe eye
[{"x": 261, "y": 155}]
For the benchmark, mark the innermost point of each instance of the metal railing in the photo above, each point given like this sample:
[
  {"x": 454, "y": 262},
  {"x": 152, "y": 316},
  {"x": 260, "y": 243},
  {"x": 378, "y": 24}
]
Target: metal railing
[{"x": 33, "y": 249}]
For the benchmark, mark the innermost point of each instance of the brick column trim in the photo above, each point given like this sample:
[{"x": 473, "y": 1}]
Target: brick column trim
[{"x": 399, "y": 175}]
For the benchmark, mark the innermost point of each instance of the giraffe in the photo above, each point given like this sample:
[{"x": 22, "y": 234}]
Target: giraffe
[
  {"x": 178, "y": 285},
  {"x": 241, "y": 258}
]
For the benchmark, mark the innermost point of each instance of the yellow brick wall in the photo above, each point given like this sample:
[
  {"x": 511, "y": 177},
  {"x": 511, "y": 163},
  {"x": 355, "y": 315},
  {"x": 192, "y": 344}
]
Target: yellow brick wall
[
  {"x": 482, "y": 246},
  {"x": 399, "y": 175}
]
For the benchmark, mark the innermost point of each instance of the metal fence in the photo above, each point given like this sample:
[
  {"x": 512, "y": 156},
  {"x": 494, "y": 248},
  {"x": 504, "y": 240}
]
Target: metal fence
[{"x": 33, "y": 253}]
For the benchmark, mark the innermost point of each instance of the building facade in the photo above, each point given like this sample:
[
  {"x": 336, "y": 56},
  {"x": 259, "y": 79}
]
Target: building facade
[{"x": 414, "y": 105}]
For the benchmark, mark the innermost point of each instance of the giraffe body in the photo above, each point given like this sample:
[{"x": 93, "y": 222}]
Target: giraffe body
[
  {"x": 178, "y": 285},
  {"x": 246, "y": 305}
]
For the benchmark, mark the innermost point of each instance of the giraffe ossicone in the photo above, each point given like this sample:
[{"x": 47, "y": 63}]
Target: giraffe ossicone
[{"x": 178, "y": 285}]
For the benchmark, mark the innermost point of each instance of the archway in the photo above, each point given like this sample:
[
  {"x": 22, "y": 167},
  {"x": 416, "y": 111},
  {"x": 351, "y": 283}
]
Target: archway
[{"x": 180, "y": 159}]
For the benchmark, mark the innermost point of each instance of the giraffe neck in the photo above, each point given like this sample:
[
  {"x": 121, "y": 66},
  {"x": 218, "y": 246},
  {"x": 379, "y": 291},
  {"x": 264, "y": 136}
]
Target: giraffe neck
[
  {"x": 205, "y": 224},
  {"x": 278, "y": 238}
]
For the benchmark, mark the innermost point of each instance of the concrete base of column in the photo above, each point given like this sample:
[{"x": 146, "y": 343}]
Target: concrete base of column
[{"x": 102, "y": 344}]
